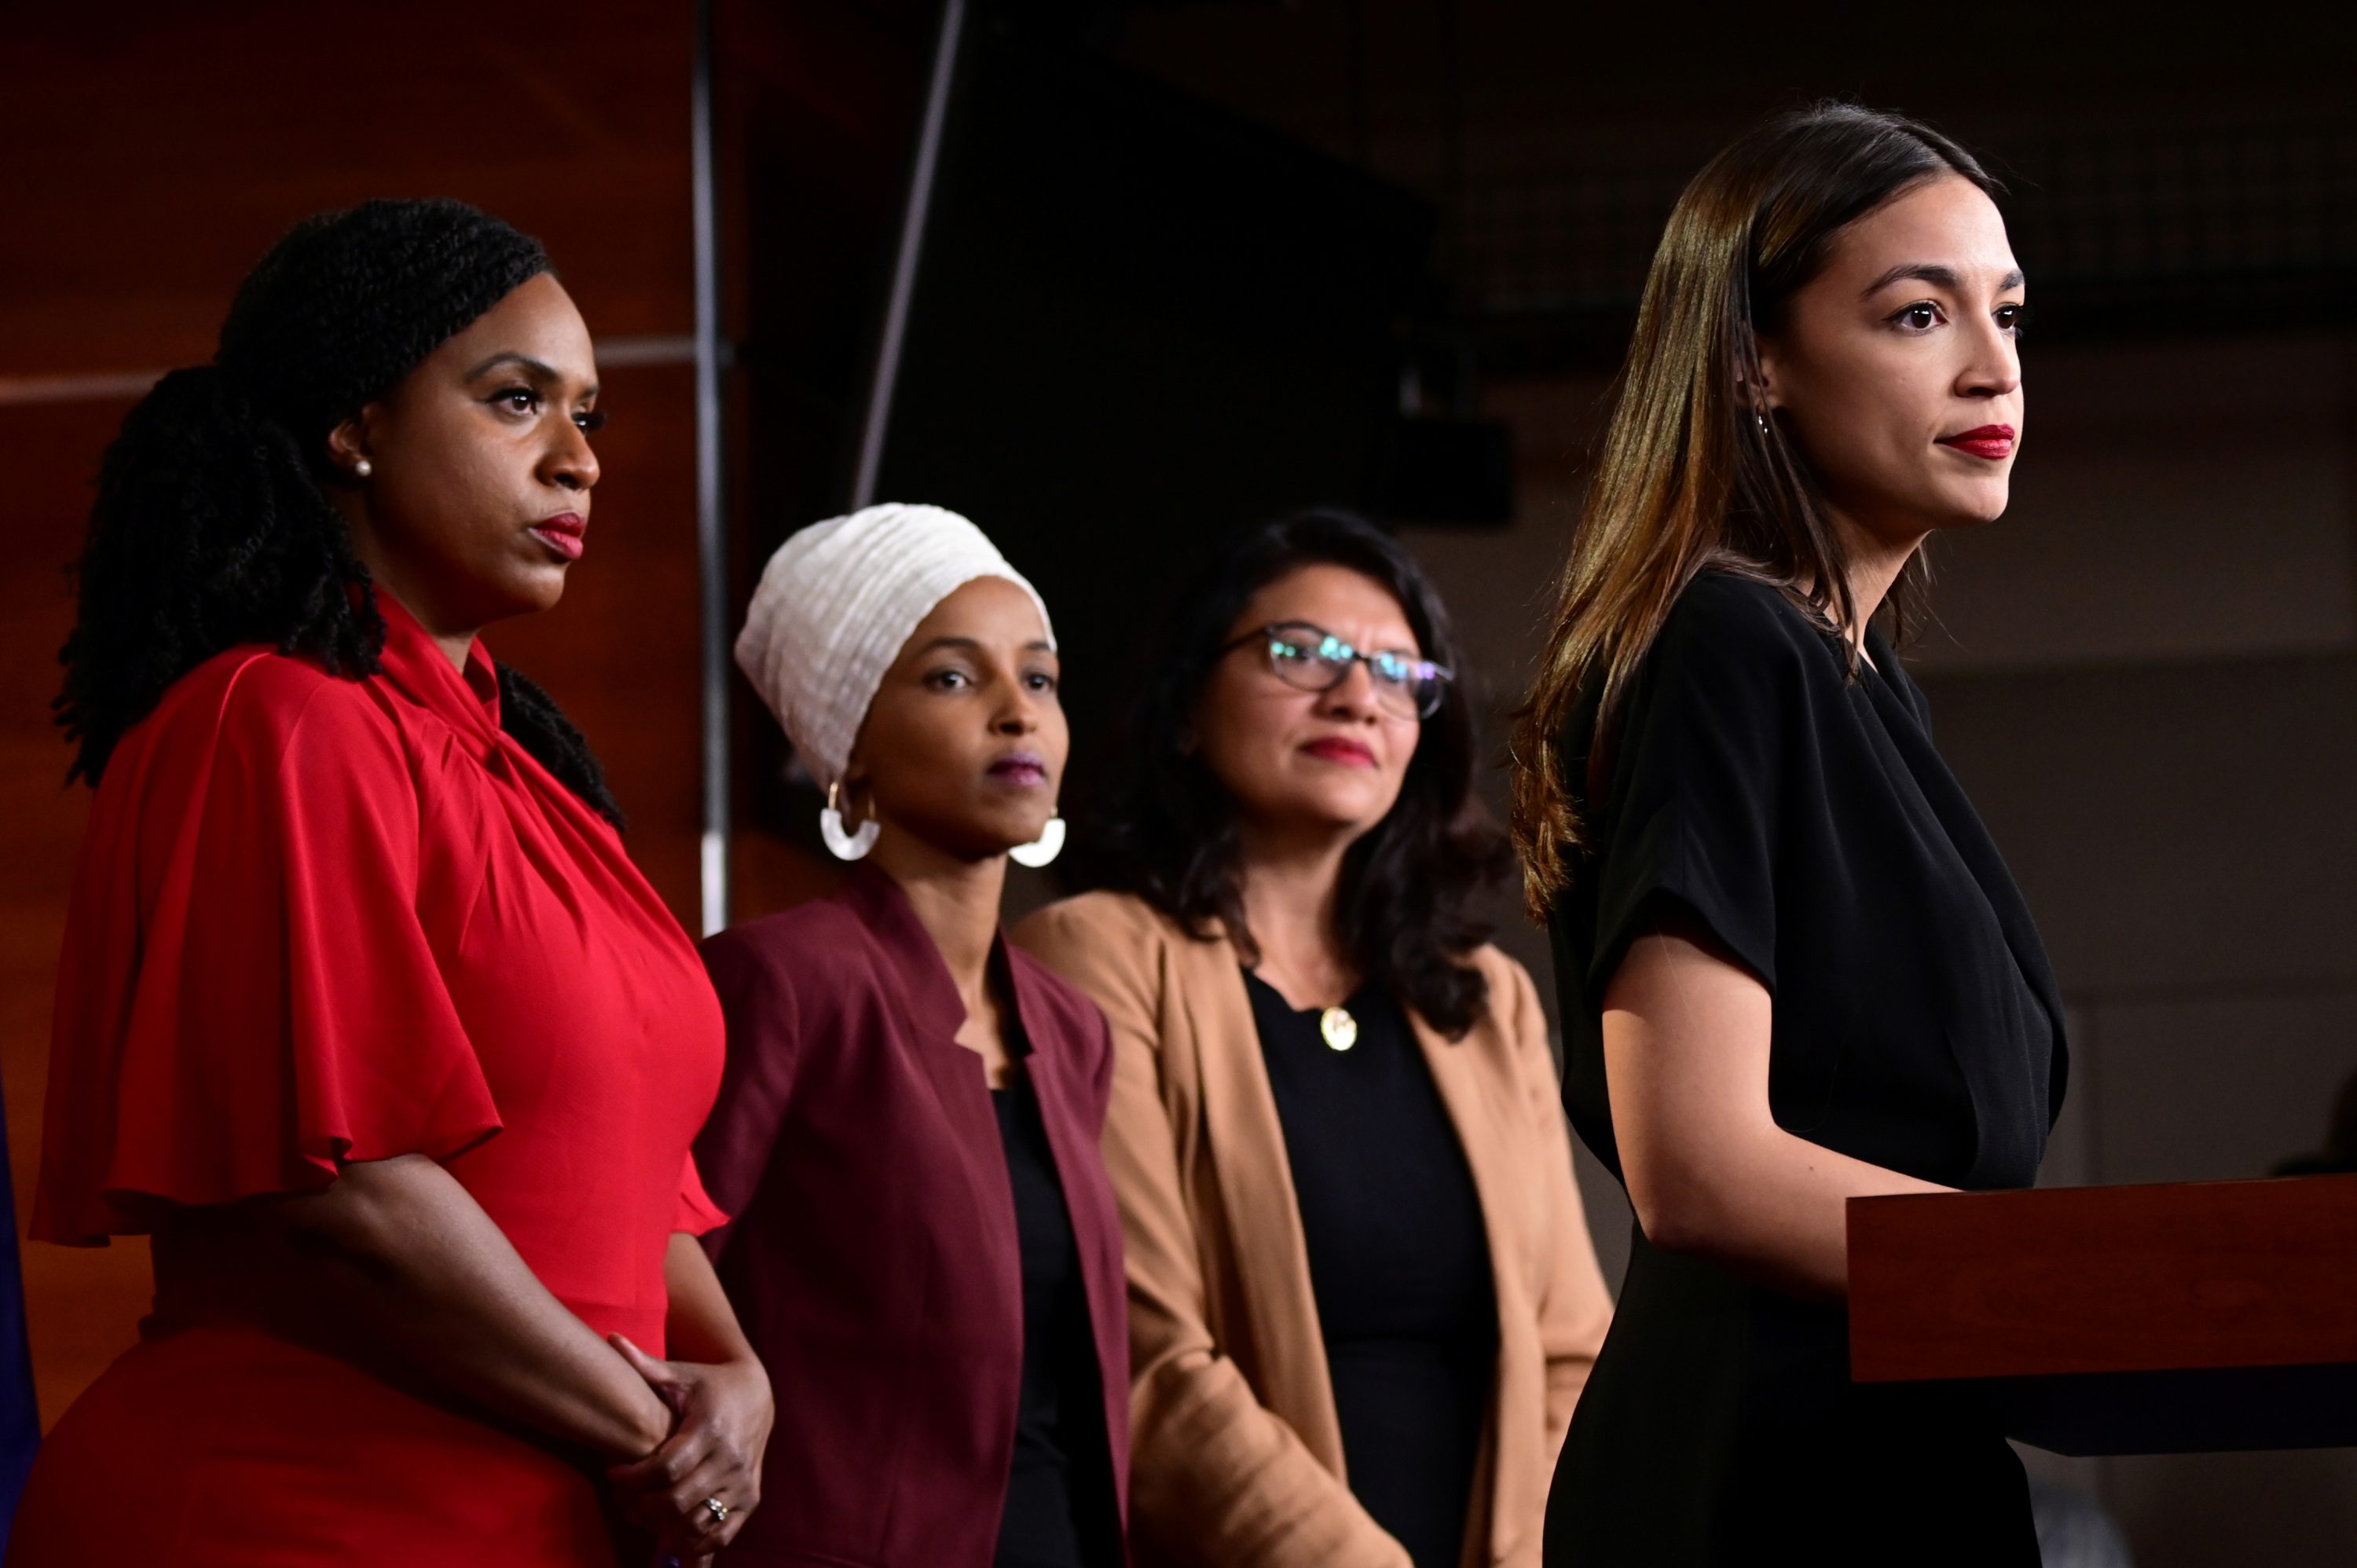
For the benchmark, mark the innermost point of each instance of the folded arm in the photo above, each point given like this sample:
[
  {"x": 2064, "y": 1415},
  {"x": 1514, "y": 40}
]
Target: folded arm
[{"x": 399, "y": 1260}]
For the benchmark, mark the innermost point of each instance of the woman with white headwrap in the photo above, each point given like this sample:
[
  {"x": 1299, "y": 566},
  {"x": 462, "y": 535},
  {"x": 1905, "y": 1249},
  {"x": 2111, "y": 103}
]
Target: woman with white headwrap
[{"x": 926, "y": 1250}]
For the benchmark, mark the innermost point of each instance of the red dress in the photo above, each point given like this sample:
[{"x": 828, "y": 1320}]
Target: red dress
[{"x": 321, "y": 919}]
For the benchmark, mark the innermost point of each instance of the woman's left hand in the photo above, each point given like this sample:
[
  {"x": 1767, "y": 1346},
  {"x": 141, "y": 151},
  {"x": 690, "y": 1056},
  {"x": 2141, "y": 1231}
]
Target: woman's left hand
[{"x": 714, "y": 1454}]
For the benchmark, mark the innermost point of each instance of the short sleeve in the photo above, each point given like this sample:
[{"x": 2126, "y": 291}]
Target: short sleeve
[
  {"x": 1692, "y": 824},
  {"x": 248, "y": 995},
  {"x": 696, "y": 1213}
]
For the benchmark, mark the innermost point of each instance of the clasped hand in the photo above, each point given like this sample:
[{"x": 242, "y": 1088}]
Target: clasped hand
[{"x": 721, "y": 1415}]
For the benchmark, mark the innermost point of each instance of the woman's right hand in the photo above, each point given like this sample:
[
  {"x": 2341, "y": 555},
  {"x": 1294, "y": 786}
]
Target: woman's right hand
[{"x": 712, "y": 1454}]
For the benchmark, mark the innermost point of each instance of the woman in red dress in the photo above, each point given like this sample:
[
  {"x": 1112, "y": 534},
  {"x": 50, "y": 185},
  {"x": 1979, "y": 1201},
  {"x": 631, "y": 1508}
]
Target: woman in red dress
[{"x": 364, "y": 1013}]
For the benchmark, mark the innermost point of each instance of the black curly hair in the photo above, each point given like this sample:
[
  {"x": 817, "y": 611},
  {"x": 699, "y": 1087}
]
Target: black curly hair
[
  {"x": 212, "y": 528},
  {"x": 1167, "y": 831}
]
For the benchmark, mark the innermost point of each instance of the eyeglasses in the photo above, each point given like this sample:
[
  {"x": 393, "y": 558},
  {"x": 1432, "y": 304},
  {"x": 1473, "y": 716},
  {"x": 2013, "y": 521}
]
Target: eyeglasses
[{"x": 1312, "y": 659}]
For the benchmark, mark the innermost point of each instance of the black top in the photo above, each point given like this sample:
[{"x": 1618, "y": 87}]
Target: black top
[
  {"x": 1806, "y": 822},
  {"x": 1399, "y": 1261},
  {"x": 1059, "y": 1504}
]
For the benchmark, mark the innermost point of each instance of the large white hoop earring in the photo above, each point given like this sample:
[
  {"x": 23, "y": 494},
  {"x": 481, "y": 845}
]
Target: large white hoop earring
[
  {"x": 840, "y": 844},
  {"x": 1043, "y": 850}
]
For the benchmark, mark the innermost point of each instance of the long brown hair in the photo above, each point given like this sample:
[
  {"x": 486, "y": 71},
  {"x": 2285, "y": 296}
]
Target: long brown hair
[{"x": 1693, "y": 473}]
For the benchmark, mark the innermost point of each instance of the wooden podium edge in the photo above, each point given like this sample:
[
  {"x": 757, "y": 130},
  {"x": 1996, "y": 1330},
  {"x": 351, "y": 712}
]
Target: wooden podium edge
[{"x": 2071, "y": 1281}]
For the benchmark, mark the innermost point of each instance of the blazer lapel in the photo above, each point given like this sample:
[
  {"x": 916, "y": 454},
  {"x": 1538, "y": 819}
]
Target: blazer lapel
[
  {"x": 1476, "y": 1113},
  {"x": 931, "y": 1016},
  {"x": 1080, "y": 1167},
  {"x": 1481, "y": 1110},
  {"x": 1270, "y": 1272}
]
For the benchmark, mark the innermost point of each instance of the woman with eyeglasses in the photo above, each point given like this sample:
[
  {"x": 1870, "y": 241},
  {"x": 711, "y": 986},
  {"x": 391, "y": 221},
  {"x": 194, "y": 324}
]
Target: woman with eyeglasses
[{"x": 1362, "y": 1298}]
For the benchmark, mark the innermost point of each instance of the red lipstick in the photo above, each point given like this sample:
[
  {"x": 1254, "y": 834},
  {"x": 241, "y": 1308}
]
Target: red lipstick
[
  {"x": 1993, "y": 442},
  {"x": 1342, "y": 749},
  {"x": 563, "y": 534}
]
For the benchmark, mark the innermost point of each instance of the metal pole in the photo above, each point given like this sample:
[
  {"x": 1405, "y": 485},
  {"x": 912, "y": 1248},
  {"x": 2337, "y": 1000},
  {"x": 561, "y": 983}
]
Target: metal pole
[
  {"x": 912, "y": 245},
  {"x": 711, "y": 530}
]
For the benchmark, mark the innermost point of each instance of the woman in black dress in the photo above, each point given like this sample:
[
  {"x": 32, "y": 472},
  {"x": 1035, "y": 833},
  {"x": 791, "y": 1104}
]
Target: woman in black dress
[{"x": 1794, "y": 968}]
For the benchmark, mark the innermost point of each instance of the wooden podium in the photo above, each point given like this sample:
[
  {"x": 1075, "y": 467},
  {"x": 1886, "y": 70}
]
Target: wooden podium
[{"x": 2163, "y": 1319}]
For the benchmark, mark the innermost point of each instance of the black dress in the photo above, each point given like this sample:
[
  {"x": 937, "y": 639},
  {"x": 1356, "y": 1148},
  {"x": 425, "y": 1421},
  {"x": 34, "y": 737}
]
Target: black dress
[
  {"x": 1060, "y": 1508},
  {"x": 1399, "y": 1261},
  {"x": 1808, "y": 824}
]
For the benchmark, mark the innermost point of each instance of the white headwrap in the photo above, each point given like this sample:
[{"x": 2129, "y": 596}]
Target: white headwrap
[{"x": 836, "y": 604}]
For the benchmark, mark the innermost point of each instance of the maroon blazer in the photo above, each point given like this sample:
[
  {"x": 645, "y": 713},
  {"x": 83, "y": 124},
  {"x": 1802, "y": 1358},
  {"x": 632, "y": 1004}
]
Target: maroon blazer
[{"x": 873, "y": 1260}]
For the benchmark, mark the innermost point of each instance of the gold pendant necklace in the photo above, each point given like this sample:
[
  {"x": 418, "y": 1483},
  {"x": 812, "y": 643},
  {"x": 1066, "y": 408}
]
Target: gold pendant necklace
[{"x": 1341, "y": 1030}]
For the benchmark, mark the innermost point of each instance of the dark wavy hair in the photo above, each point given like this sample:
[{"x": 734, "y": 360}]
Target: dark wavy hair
[
  {"x": 212, "y": 526},
  {"x": 1167, "y": 829}
]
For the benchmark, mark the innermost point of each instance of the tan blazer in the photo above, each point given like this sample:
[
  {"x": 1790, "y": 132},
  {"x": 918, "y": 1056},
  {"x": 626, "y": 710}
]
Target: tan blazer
[{"x": 1236, "y": 1452}]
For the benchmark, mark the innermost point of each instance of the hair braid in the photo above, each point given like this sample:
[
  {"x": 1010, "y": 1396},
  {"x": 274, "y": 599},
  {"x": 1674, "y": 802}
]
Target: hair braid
[{"x": 541, "y": 727}]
